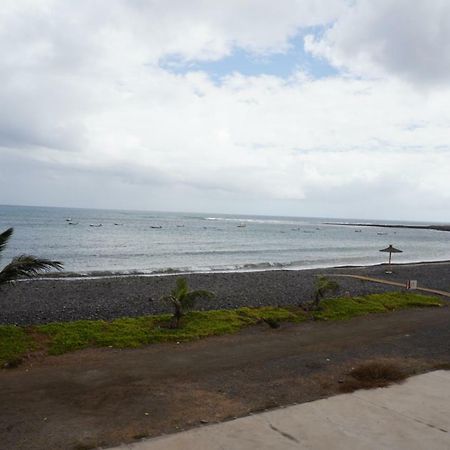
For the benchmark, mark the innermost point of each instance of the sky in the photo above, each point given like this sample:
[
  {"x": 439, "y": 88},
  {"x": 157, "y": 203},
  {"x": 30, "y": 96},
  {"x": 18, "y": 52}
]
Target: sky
[{"x": 325, "y": 108}]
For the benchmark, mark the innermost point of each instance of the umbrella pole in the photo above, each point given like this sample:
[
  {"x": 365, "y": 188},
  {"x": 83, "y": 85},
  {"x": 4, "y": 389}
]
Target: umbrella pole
[{"x": 389, "y": 263}]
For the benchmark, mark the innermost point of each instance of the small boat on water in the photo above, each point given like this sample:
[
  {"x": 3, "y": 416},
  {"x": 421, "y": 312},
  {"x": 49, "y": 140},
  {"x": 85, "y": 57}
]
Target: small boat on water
[
  {"x": 241, "y": 225},
  {"x": 68, "y": 219},
  {"x": 155, "y": 226},
  {"x": 96, "y": 225},
  {"x": 381, "y": 234},
  {"x": 72, "y": 223}
]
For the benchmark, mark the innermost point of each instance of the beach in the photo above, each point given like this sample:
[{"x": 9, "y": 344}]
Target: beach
[
  {"x": 66, "y": 299},
  {"x": 99, "y": 397}
]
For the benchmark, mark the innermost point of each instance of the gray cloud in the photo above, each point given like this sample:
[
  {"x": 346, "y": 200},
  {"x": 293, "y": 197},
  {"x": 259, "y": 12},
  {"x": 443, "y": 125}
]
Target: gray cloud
[
  {"x": 89, "y": 118},
  {"x": 410, "y": 40}
]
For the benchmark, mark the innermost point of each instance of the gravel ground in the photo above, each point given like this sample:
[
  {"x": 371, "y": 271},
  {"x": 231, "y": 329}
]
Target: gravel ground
[{"x": 65, "y": 299}]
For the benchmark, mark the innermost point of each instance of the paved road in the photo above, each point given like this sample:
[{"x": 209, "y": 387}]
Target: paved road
[{"x": 411, "y": 416}]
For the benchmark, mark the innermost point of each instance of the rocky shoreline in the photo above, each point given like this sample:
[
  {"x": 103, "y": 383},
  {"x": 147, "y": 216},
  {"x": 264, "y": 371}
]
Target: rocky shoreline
[{"x": 67, "y": 299}]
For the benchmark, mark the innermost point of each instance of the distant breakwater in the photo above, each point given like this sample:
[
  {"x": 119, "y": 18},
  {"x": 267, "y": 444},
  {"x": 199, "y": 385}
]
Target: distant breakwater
[{"x": 415, "y": 227}]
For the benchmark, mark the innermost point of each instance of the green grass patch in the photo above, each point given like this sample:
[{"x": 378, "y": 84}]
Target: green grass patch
[
  {"x": 348, "y": 307},
  {"x": 14, "y": 343},
  {"x": 58, "y": 338},
  {"x": 270, "y": 312},
  {"x": 119, "y": 333},
  {"x": 135, "y": 332}
]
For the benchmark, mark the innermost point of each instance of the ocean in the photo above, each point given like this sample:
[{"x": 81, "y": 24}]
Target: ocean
[{"x": 106, "y": 242}]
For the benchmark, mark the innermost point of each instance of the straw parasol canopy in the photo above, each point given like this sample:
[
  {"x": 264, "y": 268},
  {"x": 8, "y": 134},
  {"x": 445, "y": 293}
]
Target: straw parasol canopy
[{"x": 391, "y": 250}]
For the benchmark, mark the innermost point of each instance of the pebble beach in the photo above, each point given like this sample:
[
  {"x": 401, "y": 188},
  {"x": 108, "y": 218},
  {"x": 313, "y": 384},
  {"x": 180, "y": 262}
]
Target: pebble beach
[{"x": 66, "y": 299}]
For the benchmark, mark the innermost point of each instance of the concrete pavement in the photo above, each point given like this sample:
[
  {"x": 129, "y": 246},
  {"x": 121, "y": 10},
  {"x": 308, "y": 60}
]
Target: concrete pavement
[{"x": 412, "y": 416}]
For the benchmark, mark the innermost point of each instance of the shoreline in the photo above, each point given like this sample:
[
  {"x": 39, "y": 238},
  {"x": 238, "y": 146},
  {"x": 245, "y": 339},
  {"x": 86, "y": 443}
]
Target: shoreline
[
  {"x": 111, "y": 274},
  {"x": 68, "y": 299}
]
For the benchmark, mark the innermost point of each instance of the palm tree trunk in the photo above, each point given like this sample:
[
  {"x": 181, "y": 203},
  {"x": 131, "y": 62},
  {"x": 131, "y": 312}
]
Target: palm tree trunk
[
  {"x": 317, "y": 297},
  {"x": 176, "y": 320}
]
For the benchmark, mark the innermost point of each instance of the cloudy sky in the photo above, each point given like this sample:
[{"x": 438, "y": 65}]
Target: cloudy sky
[{"x": 331, "y": 108}]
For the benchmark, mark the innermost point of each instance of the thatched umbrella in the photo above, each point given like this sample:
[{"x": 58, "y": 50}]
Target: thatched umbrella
[{"x": 391, "y": 250}]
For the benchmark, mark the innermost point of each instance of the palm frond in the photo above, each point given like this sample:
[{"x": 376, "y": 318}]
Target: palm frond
[
  {"x": 333, "y": 286},
  {"x": 191, "y": 297},
  {"x": 181, "y": 288},
  {"x": 324, "y": 283},
  {"x": 167, "y": 298},
  {"x": 181, "y": 299},
  {"x": 170, "y": 299},
  {"x": 4, "y": 238},
  {"x": 27, "y": 266}
]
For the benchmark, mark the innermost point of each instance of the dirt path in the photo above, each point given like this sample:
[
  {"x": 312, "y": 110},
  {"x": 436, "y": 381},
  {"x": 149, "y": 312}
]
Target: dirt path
[
  {"x": 104, "y": 397},
  {"x": 392, "y": 283}
]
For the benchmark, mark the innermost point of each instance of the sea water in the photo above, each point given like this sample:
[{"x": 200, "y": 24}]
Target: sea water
[{"x": 90, "y": 241}]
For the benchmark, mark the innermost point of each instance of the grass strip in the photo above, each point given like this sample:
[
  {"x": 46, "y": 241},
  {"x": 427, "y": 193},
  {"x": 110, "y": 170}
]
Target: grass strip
[
  {"x": 63, "y": 337},
  {"x": 135, "y": 332},
  {"x": 348, "y": 307},
  {"x": 14, "y": 343}
]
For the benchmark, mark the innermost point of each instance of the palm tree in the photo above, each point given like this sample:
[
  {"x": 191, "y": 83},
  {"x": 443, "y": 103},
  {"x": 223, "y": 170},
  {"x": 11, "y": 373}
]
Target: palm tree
[
  {"x": 323, "y": 285},
  {"x": 181, "y": 299},
  {"x": 24, "y": 265}
]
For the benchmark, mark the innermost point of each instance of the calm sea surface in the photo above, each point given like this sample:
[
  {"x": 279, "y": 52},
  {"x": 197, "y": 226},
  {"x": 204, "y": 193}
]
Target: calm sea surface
[{"x": 135, "y": 241}]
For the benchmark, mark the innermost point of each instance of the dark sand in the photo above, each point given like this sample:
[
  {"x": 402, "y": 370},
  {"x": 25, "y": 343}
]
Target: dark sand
[{"x": 65, "y": 299}]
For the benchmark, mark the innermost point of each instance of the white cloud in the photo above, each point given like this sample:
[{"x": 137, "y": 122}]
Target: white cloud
[
  {"x": 89, "y": 117},
  {"x": 403, "y": 38},
  {"x": 59, "y": 34}
]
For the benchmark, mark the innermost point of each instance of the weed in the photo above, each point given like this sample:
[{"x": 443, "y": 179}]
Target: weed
[{"x": 373, "y": 374}]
